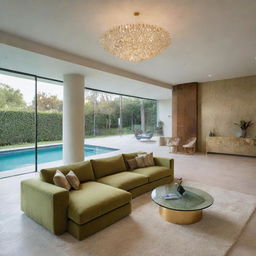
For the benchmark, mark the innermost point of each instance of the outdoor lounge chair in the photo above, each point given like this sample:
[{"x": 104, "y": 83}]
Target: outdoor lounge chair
[
  {"x": 190, "y": 146},
  {"x": 139, "y": 135},
  {"x": 173, "y": 144}
]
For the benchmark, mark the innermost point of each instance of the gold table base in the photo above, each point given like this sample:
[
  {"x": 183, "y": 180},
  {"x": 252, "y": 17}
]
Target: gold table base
[{"x": 180, "y": 217}]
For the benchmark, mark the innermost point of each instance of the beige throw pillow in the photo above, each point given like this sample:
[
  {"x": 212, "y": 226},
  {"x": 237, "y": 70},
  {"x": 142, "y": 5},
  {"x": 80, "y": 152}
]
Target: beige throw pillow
[
  {"x": 73, "y": 180},
  {"x": 148, "y": 159},
  {"x": 140, "y": 161},
  {"x": 132, "y": 164},
  {"x": 60, "y": 180}
]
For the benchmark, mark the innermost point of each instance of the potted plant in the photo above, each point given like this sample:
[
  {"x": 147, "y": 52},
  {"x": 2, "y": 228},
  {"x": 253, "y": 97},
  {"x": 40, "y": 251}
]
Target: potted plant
[{"x": 244, "y": 126}]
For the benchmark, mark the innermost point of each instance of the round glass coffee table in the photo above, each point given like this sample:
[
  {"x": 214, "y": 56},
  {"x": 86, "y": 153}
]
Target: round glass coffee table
[{"x": 187, "y": 209}]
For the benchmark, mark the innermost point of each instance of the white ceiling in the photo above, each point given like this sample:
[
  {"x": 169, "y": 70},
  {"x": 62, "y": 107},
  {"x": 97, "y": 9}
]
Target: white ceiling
[
  {"x": 29, "y": 62},
  {"x": 216, "y": 37}
]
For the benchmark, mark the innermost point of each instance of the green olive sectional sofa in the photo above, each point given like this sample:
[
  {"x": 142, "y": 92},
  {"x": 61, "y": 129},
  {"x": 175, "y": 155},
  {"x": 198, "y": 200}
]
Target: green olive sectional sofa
[{"x": 104, "y": 197}]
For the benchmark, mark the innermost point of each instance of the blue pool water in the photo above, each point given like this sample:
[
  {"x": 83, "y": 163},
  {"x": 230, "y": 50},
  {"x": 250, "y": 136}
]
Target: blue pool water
[{"x": 13, "y": 159}]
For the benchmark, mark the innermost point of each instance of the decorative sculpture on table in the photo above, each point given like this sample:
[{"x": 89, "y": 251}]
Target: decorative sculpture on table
[
  {"x": 244, "y": 125},
  {"x": 211, "y": 133}
]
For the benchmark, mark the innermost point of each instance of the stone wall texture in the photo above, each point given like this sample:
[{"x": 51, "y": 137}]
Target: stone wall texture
[{"x": 223, "y": 102}]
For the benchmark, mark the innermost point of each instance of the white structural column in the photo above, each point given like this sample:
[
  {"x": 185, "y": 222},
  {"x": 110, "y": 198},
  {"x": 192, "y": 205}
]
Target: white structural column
[{"x": 73, "y": 118}]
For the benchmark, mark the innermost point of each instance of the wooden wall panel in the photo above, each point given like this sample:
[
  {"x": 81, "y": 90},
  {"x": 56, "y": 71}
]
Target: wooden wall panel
[{"x": 184, "y": 111}]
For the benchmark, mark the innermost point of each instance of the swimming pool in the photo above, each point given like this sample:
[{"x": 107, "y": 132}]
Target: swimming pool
[{"x": 18, "y": 158}]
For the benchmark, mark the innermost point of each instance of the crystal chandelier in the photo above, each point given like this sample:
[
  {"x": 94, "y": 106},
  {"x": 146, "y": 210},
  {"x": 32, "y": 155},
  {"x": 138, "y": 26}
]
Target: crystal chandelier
[{"x": 136, "y": 42}]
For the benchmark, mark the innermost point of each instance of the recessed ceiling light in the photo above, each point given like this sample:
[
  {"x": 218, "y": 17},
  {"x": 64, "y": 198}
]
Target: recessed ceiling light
[{"x": 209, "y": 75}]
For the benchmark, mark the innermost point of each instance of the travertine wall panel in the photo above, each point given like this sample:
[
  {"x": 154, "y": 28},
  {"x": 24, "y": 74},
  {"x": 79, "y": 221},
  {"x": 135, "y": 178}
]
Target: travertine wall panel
[{"x": 221, "y": 103}]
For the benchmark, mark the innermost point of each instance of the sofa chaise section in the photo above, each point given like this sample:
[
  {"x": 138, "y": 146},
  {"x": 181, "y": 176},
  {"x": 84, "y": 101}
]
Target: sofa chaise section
[
  {"x": 94, "y": 199},
  {"x": 95, "y": 206}
]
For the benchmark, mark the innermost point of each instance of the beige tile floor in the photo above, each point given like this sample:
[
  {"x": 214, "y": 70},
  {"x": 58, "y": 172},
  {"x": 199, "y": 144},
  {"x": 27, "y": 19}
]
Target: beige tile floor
[{"x": 21, "y": 236}]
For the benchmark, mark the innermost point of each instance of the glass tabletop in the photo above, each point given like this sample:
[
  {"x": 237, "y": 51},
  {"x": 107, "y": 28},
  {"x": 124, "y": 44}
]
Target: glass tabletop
[{"x": 192, "y": 200}]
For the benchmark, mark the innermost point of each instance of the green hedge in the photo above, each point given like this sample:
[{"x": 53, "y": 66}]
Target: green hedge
[
  {"x": 18, "y": 127},
  {"x": 49, "y": 126}
]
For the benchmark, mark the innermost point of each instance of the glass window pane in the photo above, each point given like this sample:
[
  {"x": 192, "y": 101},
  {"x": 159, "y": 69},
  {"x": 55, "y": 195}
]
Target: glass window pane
[
  {"x": 110, "y": 114},
  {"x": 150, "y": 108},
  {"x": 131, "y": 114},
  {"x": 17, "y": 124},
  {"x": 102, "y": 114},
  {"x": 49, "y": 116}
]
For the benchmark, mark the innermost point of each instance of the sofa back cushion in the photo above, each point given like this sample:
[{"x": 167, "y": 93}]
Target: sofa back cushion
[
  {"x": 107, "y": 166},
  {"x": 83, "y": 171}
]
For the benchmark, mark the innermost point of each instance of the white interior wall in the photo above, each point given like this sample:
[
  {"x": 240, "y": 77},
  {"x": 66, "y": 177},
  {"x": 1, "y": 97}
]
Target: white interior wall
[{"x": 164, "y": 113}]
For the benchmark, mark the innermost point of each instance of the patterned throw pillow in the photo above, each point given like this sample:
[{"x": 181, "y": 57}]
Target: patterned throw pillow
[
  {"x": 60, "y": 180},
  {"x": 148, "y": 159},
  {"x": 132, "y": 164},
  {"x": 73, "y": 180},
  {"x": 140, "y": 161}
]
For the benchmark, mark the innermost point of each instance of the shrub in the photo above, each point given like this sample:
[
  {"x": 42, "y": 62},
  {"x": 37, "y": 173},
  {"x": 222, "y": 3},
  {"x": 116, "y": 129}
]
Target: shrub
[{"x": 18, "y": 127}]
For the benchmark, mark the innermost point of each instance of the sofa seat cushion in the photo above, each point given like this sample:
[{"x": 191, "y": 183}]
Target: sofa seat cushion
[
  {"x": 95, "y": 199},
  {"x": 153, "y": 172},
  {"x": 124, "y": 180}
]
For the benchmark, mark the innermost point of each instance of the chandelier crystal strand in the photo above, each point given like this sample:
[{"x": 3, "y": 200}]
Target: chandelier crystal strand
[{"x": 136, "y": 42}]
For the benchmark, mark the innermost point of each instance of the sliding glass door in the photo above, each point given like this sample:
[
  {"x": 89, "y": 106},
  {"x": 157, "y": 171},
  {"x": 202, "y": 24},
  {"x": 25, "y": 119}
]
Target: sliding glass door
[
  {"x": 17, "y": 124},
  {"x": 49, "y": 120},
  {"x": 30, "y": 123},
  {"x": 109, "y": 114}
]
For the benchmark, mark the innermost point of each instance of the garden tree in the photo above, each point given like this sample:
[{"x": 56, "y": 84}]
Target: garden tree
[
  {"x": 89, "y": 115},
  {"x": 49, "y": 103},
  {"x": 10, "y": 98},
  {"x": 107, "y": 106},
  {"x": 150, "y": 108},
  {"x": 102, "y": 111},
  {"x": 142, "y": 115},
  {"x": 121, "y": 112},
  {"x": 131, "y": 112},
  {"x": 92, "y": 98}
]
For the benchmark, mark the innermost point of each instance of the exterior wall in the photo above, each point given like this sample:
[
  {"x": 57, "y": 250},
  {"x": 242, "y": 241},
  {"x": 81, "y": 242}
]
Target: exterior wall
[
  {"x": 221, "y": 103},
  {"x": 164, "y": 113}
]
